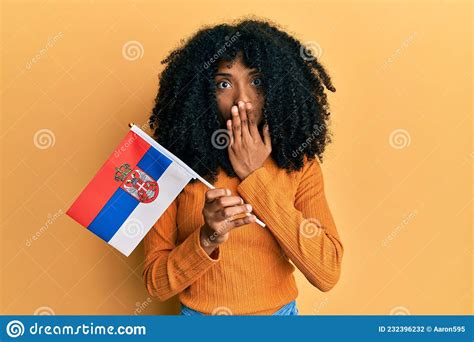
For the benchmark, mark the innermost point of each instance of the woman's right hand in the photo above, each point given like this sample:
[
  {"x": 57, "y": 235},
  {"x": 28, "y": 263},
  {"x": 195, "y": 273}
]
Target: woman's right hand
[{"x": 218, "y": 211}]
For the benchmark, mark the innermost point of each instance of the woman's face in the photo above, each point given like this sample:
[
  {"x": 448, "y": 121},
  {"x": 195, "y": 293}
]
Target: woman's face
[{"x": 235, "y": 82}]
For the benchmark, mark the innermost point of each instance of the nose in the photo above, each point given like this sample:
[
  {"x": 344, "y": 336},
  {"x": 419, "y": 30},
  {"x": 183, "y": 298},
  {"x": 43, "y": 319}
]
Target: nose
[{"x": 242, "y": 94}]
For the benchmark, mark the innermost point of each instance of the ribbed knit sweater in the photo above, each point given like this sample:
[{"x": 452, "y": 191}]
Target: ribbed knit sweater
[{"x": 251, "y": 272}]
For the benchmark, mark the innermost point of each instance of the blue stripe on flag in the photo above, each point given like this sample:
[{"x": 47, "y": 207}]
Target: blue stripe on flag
[
  {"x": 154, "y": 163},
  {"x": 119, "y": 207},
  {"x": 113, "y": 214}
]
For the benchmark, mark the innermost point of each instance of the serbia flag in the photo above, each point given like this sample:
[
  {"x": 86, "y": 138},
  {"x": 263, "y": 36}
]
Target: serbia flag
[{"x": 131, "y": 191}]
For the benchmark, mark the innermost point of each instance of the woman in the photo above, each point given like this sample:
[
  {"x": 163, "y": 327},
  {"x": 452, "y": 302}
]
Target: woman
[{"x": 244, "y": 106}]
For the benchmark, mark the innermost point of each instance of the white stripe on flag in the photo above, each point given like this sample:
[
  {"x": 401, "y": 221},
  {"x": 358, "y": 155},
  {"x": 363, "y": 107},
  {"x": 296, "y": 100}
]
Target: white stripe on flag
[{"x": 144, "y": 216}]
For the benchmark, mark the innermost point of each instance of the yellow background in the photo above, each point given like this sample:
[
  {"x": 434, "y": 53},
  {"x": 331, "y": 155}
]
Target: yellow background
[{"x": 397, "y": 177}]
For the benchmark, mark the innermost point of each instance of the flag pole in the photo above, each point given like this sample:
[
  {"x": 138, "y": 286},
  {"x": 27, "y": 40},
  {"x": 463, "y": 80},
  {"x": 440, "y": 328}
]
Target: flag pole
[{"x": 209, "y": 185}]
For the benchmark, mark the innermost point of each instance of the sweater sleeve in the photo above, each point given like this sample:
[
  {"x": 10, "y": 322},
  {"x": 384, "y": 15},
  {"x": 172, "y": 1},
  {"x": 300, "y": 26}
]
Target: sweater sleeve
[
  {"x": 170, "y": 268},
  {"x": 302, "y": 224}
]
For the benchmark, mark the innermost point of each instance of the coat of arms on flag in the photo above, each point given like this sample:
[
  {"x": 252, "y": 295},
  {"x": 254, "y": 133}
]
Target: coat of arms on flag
[{"x": 137, "y": 183}]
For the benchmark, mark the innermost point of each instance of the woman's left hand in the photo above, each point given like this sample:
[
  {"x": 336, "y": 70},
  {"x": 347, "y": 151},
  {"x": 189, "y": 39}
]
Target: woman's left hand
[{"x": 247, "y": 150}]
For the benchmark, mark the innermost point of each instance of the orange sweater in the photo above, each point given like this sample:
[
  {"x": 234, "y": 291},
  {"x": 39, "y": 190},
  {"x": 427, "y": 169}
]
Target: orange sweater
[{"x": 251, "y": 273}]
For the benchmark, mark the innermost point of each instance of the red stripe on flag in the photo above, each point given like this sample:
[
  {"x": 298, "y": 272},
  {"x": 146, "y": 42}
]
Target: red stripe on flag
[{"x": 102, "y": 187}]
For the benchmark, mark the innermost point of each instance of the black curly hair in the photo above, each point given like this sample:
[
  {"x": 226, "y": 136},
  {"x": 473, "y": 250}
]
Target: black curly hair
[{"x": 186, "y": 114}]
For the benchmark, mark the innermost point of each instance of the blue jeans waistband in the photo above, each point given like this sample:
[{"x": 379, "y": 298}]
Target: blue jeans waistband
[{"x": 286, "y": 310}]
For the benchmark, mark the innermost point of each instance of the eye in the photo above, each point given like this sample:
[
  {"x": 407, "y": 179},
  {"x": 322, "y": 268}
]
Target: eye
[
  {"x": 257, "y": 82},
  {"x": 223, "y": 85}
]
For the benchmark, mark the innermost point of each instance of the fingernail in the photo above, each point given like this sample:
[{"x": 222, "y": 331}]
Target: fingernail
[{"x": 249, "y": 207}]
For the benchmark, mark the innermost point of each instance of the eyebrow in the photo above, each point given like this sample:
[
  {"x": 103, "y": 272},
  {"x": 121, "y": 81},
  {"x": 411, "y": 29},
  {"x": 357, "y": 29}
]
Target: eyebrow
[{"x": 230, "y": 75}]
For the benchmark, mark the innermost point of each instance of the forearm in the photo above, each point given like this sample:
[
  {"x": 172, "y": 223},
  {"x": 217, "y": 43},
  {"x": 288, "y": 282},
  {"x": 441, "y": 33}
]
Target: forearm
[{"x": 170, "y": 272}]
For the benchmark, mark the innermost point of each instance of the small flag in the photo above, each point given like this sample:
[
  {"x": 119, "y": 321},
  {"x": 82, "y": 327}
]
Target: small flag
[{"x": 133, "y": 188}]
